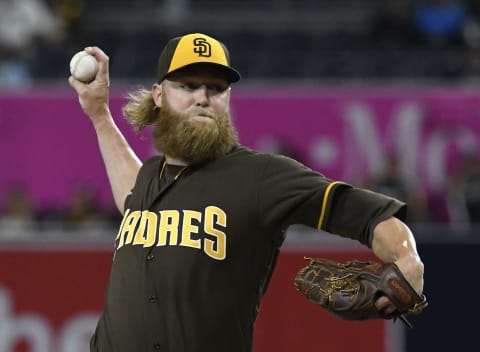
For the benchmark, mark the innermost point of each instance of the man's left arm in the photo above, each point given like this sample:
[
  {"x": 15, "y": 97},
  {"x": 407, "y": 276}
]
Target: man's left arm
[{"x": 393, "y": 242}]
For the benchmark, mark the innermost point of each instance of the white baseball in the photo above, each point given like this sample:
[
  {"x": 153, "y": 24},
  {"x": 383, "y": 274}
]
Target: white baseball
[{"x": 83, "y": 66}]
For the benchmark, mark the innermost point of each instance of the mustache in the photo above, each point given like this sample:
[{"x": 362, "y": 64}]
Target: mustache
[{"x": 203, "y": 112}]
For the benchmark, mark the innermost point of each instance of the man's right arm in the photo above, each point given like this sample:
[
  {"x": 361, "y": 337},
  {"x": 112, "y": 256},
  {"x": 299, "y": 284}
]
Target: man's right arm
[{"x": 121, "y": 162}]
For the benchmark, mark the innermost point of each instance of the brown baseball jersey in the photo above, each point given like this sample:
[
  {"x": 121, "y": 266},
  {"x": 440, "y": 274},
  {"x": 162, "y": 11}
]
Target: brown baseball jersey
[{"x": 197, "y": 246}]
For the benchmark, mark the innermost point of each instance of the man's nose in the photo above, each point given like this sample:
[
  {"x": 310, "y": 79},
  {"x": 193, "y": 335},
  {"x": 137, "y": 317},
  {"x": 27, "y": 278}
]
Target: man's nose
[{"x": 201, "y": 96}]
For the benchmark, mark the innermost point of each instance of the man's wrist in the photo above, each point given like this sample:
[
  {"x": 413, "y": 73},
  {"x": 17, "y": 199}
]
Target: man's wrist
[{"x": 102, "y": 120}]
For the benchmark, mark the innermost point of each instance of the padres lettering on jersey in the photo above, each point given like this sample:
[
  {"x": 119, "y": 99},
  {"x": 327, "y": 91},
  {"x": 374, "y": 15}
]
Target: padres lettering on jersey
[{"x": 176, "y": 228}]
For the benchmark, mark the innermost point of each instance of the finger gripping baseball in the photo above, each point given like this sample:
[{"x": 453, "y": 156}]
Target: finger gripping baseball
[{"x": 349, "y": 290}]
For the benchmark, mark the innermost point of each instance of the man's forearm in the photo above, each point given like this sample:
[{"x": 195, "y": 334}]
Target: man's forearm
[
  {"x": 394, "y": 242},
  {"x": 121, "y": 162}
]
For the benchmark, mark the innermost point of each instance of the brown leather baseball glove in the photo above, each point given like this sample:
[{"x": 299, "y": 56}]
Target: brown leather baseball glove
[{"x": 349, "y": 290}]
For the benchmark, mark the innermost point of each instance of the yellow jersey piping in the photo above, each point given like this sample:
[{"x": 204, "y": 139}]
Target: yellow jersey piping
[{"x": 324, "y": 202}]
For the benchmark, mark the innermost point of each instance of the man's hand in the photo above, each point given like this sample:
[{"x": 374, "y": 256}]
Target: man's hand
[
  {"x": 412, "y": 269},
  {"x": 94, "y": 96},
  {"x": 393, "y": 242}
]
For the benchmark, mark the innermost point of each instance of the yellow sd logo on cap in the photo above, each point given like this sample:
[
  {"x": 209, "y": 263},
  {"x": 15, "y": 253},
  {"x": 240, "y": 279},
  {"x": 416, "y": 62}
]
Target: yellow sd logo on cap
[{"x": 202, "y": 47}]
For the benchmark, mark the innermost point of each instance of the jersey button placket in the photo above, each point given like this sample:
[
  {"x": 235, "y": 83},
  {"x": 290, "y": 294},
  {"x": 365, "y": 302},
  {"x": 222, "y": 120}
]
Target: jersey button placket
[{"x": 153, "y": 306}]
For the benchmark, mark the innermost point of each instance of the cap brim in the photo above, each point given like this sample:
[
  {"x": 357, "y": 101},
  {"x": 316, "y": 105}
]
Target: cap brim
[{"x": 231, "y": 74}]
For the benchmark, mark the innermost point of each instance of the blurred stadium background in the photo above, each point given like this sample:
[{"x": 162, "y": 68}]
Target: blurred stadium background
[{"x": 380, "y": 93}]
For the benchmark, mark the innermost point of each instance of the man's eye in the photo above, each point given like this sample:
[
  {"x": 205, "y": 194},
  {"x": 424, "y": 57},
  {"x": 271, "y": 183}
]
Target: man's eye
[
  {"x": 217, "y": 88},
  {"x": 190, "y": 86}
]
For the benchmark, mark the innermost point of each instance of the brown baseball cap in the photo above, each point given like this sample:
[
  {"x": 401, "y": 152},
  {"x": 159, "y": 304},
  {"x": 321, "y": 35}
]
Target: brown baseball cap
[{"x": 195, "y": 48}]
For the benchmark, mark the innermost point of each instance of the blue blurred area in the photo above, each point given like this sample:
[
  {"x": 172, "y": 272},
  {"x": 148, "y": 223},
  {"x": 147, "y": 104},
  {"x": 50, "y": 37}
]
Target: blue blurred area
[{"x": 268, "y": 39}]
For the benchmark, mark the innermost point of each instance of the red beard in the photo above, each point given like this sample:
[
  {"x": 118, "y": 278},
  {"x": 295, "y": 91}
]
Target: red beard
[{"x": 180, "y": 137}]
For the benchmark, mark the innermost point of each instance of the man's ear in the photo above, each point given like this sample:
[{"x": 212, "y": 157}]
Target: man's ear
[{"x": 157, "y": 89}]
